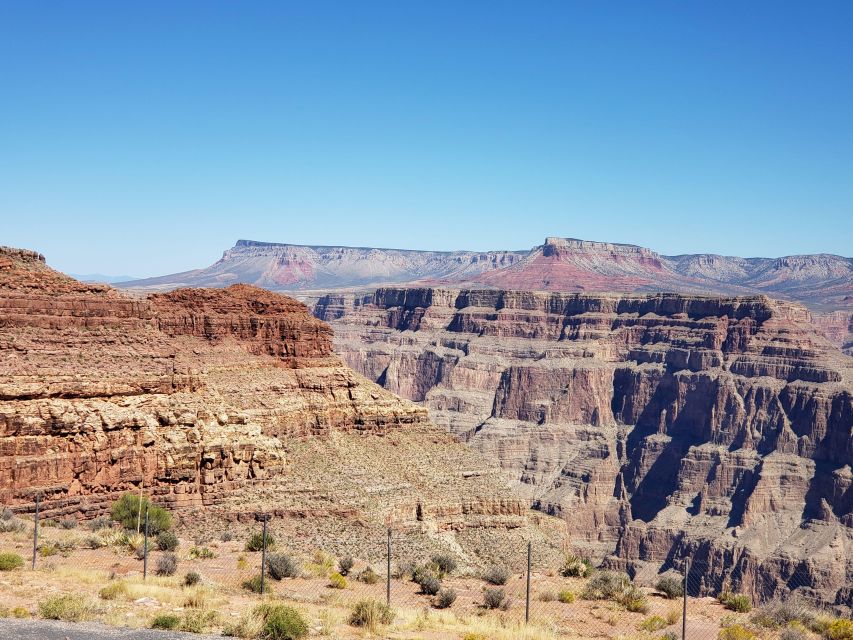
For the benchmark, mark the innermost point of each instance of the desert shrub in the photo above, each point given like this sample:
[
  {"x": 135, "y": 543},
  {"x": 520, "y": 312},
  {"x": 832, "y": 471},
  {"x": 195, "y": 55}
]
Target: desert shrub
[
  {"x": 321, "y": 564},
  {"x": 126, "y": 510},
  {"x": 256, "y": 541},
  {"x": 281, "y": 622},
  {"x": 494, "y": 599},
  {"x": 68, "y": 523},
  {"x": 6, "y": 514},
  {"x": 670, "y": 635},
  {"x": 576, "y": 567},
  {"x": 445, "y": 563},
  {"x": 653, "y": 623},
  {"x": 201, "y": 553},
  {"x": 48, "y": 549},
  {"x": 337, "y": 581},
  {"x": 566, "y": 597},
  {"x": 839, "y": 629},
  {"x": 253, "y": 584},
  {"x": 780, "y": 613},
  {"x": 368, "y": 576},
  {"x": 404, "y": 570},
  {"x": 226, "y": 536},
  {"x": 430, "y": 584},
  {"x": 249, "y": 626},
  {"x": 736, "y": 602},
  {"x": 113, "y": 590},
  {"x": 795, "y": 632},
  {"x": 167, "y": 621},
  {"x": 197, "y": 621},
  {"x": 345, "y": 565},
  {"x": 736, "y": 632},
  {"x": 12, "y": 525},
  {"x": 670, "y": 586},
  {"x": 634, "y": 600},
  {"x": 547, "y": 595},
  {"x": 496, "y": 575},
  {"x": 281, "y": 566},
  {"x": 48, "y": 523},
  {"x": 167, "y": 541},
  {"x": 167, "y": 564},
  {"x": 9, "y": 561},
  {"x": 445, "y": 598},
  {"x": 68, "y": 608},
  {"x": 20, "y": 612},
  {"x": 673, "y": 615},
  {"x": 371, "y": 614},
  {"x": 196, "y": 598},
  {"x": 606, "y": 585},
  {"x": 191, "y": 578},
  {"x": 101, "y": 522}
]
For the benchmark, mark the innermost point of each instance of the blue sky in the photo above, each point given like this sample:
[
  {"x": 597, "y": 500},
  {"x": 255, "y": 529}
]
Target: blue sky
[{"x": 145, "y": 138}]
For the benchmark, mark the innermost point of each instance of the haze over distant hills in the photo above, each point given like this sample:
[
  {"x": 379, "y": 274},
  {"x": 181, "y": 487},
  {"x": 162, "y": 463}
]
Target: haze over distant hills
[{"x": 821, "y": 281}]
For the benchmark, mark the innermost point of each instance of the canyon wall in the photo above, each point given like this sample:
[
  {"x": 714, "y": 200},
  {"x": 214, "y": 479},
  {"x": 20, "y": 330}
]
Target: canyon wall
[
  {"x": 221, "y": 402},
  {"x": 661, "y": 427}
]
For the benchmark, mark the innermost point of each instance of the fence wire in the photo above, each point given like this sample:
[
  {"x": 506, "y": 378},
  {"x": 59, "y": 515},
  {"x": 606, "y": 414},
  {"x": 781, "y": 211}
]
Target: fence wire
[{"x": 141, "y": 573}]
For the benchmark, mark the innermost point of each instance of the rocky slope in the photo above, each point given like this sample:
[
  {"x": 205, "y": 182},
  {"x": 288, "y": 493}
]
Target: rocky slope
[
  {"x": 210, "y": 399},
  {"x": 661, "y": 427}
]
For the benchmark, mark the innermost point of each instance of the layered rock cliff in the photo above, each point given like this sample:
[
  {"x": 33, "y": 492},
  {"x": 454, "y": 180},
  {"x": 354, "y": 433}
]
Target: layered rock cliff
[
  {"x": 661, "y": 427},
  {"x": 226, "y": 399}
]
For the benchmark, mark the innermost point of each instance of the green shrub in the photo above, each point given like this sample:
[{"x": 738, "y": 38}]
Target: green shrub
[
  {"x": 445, "y": 598},
  {"x": 281, "y": 566},
  {"x": 337, "y": 581},
  {"x": 113, "y": 590},
  {"x": 736, "y": 632},
  {"x": 192, "y": 578},
  {"x": 566, "y": 597},
  {"x": 20, "y": 612},
  {"x": 576, "y": 567},
  {"x": 671, "y": 587},
  {"x": 253, "y": 584},
  {"x": 9, "y": 561},
  {"x": 736, "y": 602},
  {"x": 653, "y": 623},
  {"x": 371, "y": 614},
  {"x": 168, "y": 621},
  {"x": 495, "y": 599},
  {"x": 167, "y": 541},
  {"x": 634, "y": 600},
  {"x": 167, "y": 565},
  {"x": 444, "y": 563},
  {"x": 281, "y": 622},
  {"x": 256, "y": 541},
  {"x": 126, "y": 510},
  {"x": 496, "y": 575},
  {"x": 839, "y": 629},
  {"x": 201, "y": 553},
  {"x": 606, "y": 585},
  {"x": 345, "y": 565},
  {"x": 368, "y": 576},
  {"x": 68, "y": 608}
]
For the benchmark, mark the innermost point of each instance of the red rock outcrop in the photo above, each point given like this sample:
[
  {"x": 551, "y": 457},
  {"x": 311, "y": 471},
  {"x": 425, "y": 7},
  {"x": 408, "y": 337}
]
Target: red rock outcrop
[{"x": 662, "y": 427}]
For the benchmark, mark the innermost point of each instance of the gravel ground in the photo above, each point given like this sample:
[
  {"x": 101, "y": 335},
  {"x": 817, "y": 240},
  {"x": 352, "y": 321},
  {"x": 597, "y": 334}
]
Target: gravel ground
[{"x": 12, "y": 629}]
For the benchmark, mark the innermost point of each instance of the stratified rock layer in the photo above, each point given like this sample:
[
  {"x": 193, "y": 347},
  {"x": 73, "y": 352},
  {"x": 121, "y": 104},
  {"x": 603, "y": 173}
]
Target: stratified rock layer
[
  {"x": 228, "y": 399},
  {"x": 661, "y": 427}
]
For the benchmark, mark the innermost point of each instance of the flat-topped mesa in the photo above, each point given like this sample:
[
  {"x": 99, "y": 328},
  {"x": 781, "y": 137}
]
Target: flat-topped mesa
[
  {"x": 662, "y": 426},
  {"x": 21, "y": 254},
  {"x": 559, "y": 246}
]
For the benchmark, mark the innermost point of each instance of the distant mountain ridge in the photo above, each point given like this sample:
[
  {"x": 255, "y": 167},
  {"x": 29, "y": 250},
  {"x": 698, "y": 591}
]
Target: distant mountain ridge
[{"x": 821, "y": 281}]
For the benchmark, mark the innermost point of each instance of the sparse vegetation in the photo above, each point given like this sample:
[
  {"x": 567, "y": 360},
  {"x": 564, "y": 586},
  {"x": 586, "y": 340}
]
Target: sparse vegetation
[
  {"x": 167, "y": 565},
  {"x": 445, "y": 564},
  {"x": 167, "y": 541},
  {"x": 256, "y": 541},
  {"x": 129, "y": 510},
  {"x": 101, "y": 522},
  {"x": 68, "y": 523},
  {"x": 617, "y": 587},
  {"x": 68, "y": 608},
  {"x": 496, "y": 575},
  {"x": 281, "y": 622},
  {"x": 281, "y": 566},
  {"x": 781, "y": 613},
  {"x": 576, "y": 567},
  {"x": 345, "y": 565},
  {"x": 653, "y": 623},
  {"x": 337, "y": 581},
  {"x": 371, "y": 614},
  {"x": 192, "y": 578},
  {"x": 253, "y": 584},
  {"x": 201, "y": 553},
  {"x": 737, "y": 602},
  {"x": 198, "y": 621},
  {"x": 9, "y": 561},
  {"x": 113, "y": 590},
  {"x": 495, "y": 599},
  {"x": 445, "y": 598},
  {"x": 671, "y": 587},
  {"x": 166, "y": 621},
  {"x": 368, "y": 576},
  {"x": 736, "y": 632}
]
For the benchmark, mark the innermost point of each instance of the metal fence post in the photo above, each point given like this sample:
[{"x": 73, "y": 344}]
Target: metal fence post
[
  {"x": 264, "y": 553},
  {"x": 36, "y": 531},
  {"x": 529, "y": 567},
  {"x": 388, "y": 571},
  {"x": 684, "y": 604},
  {"x": 145, "y": 548}
]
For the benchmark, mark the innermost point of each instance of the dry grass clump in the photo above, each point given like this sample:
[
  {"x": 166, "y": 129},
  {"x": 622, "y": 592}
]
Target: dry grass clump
[
  {"x": 737, "y": 602},
  {"x": 68, "y": 608},
  {"x": 114, "y": 590},
  {"x": 371, "y": 615},
  {"x": 616, "y": 587},
  {"x": 167, "y": 565},
  {"x": 9, "y": 561}
]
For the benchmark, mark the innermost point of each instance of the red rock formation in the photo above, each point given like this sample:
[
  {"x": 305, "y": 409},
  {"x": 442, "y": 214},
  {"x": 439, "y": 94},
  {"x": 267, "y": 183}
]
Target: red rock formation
[{"x": 661, "y": 426}]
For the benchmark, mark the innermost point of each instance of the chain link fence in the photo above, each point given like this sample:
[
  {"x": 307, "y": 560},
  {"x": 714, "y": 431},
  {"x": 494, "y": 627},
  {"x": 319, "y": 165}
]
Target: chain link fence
[{"x": 137, "y": 569}]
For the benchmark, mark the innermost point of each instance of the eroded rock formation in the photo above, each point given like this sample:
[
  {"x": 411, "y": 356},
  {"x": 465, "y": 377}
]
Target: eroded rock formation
[
  {"x": 661, "y": 427},
  {"x": 228, "y": 399}
]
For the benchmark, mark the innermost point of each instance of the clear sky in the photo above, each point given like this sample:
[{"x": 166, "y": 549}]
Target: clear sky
[{"x": 145, "y": 138}]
